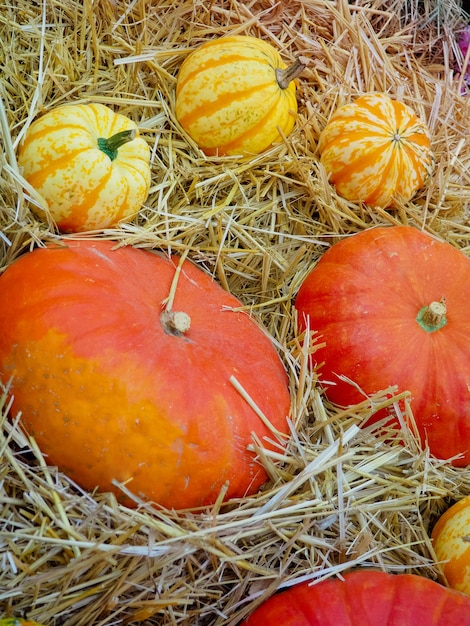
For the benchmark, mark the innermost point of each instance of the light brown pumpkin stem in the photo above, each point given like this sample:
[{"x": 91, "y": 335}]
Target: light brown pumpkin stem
[
  {"x": 285, "y": 77},
  {"x": 433, "y": 316},
  {"x": 434, "y": 313},
  {"x": 175, "y": 323}
]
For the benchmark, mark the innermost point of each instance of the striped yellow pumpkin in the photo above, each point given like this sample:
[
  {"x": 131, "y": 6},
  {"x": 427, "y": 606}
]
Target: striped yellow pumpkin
[
  {"x": 451, "y": 545},
  {"x": 376, "y": 150},
  {"x": 88, "y": 164},
  {"x": 234, "y": 94}
]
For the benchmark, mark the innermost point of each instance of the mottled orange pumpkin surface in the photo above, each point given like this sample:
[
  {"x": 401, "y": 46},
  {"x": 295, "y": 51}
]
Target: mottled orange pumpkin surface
[{"x": 111, "y": 392}]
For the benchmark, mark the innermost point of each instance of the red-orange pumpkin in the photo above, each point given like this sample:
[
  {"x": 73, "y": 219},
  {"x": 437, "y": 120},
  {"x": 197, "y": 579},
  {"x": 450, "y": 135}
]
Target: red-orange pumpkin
[
  {"x": 365, "y": 598},
  {"x": 113, "y": 389},
  {"x": 392, "y": 306}
]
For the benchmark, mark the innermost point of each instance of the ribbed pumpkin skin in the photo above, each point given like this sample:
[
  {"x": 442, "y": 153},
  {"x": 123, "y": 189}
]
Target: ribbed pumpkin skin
[
  {"x": 83, "y": 187},
  {"x": 450, "y": 539},
  {"x": 228, "y": 98},
  {"x": 375, "y": 150},
  {"x": 363, "y": 298},
  {"x": 365, "y": 598},
  {"x": 108, "y": 394}
]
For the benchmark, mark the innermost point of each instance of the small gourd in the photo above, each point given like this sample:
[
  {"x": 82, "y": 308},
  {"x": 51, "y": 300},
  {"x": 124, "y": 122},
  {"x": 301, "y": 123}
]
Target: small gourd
[
  {"x": 376, "y": 150},
  {"x": 235, "y": 96},
  {"x": 451, "y": 540},
  {"x": 88, "y": 164}
]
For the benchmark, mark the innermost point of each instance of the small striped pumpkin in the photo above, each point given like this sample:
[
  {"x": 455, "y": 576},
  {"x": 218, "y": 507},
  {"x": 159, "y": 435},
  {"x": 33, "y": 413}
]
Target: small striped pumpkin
[
  {"x": 450, "y": 537},
  {"x": 376, "y": 150},
  {"x": 235, "y": 96},
  {"x": 88, "y": 164}
]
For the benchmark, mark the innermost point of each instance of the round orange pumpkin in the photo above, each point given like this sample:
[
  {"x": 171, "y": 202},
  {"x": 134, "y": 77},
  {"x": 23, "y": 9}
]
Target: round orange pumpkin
[
  {"x": 234, "y": 94},
  {"x": 115, "y": 387},
  {"x": 365, "y": 598},
  {"x": 89, "y": 165},
  {"x": 451, "y": 540},
  {"x": 376, "y": 150},
  {"x": 391, "y": 305}
]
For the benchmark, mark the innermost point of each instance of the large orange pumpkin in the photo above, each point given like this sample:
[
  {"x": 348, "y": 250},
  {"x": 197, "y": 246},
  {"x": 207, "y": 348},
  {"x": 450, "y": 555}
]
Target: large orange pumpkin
[
  {"x": 392, "y": 306},
  {"x": 376, "y": 150},
  {"x": 234, "y": 95},
  {"x": 451, "y": 539},
  {"x": 115, "y": 387},
  {"x": 89, "y": 165},
  {"x": 365, "y": 598}
]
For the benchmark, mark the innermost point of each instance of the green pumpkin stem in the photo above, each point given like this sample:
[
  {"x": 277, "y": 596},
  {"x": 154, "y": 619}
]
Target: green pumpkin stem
[
  {"x": 285, "y": 77},
  {"x": 433, "y": 316},
  {"x": 111, "y": 145}
]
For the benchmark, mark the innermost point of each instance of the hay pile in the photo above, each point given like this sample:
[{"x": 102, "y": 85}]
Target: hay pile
[{"x": 339, "y": 497}]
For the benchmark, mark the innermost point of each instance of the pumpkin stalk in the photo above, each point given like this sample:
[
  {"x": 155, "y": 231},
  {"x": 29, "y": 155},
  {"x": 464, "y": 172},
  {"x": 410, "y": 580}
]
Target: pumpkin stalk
[
  {"x": 433, "y": 316},
  {"x": 111, "y": 145},
  {"x": 285, "y": 77},
  {"x": 175, "y": 323}
]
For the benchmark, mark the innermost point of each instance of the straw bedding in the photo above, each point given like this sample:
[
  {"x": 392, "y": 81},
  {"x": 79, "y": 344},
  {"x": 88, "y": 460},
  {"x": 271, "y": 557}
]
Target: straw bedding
[{"x": 338, "y": 496}]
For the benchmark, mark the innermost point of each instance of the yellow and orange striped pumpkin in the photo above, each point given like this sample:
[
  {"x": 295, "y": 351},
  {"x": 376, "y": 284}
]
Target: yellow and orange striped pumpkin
[
  {"x": 88, "y": 164},
  {"x": 451, "y": 539},
  {"x": 376, "y": 150},
  {"x": 235, "y": 96}
]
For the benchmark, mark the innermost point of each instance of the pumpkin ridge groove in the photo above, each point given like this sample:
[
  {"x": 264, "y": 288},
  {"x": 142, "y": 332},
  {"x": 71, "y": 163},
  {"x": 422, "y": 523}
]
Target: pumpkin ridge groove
[
  {"x": 212, "y": 64},
  {"x": 73, "y": 217},
  {"x": 232, "y": 145},
  {"x": 41, "y": 175},
  {"x": 208, "y": 108}
]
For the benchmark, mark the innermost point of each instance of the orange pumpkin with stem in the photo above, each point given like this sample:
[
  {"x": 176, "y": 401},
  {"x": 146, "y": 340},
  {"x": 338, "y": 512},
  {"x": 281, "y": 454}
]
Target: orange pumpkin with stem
[
  {"x": 115, "y": 385},
  {"x": 391, "y": 306}
]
